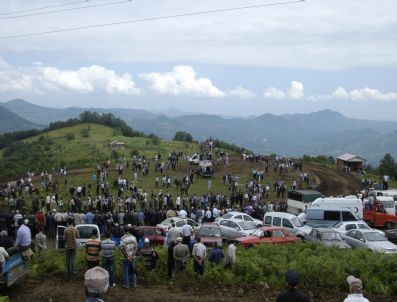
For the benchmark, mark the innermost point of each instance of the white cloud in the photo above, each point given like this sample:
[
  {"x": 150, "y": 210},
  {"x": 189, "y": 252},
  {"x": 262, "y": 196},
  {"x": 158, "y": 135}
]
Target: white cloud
[
  {"x": 241, "y": 92},
  {"x": 90, "y": 79},
  {"x": 182, "y": 80},
  {"x": 364, "y": 94},
  {"x": 274, "y": 93},
  {"x": 14, "y": 79},
  {"x": 296, "y": 91}
]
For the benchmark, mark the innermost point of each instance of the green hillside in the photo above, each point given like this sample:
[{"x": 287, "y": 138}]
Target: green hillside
[{"x": 78, "y": 146}]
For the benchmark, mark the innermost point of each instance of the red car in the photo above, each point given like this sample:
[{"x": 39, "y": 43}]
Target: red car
[
  {"x": 155, "y": 234},
  {"x": 273, "y": 235},
  {"x": 210, "y": 234}
]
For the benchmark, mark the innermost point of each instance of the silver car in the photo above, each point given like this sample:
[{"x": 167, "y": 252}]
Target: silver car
[
  {"x": 234, "y": 215},
  {"x": 327, "y": 237},
  {"x": 370, "y": 239},
  {"x": 179, "y": 222},
  {"x": 232, "y": 228},
  {"x": 344, "y": 226}
]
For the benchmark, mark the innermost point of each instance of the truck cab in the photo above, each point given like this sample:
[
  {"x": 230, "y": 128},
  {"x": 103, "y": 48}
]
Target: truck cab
[{"x": 377, "y": 216}]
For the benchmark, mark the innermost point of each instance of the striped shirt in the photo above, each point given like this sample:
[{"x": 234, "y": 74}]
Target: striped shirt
[
  {"x": 70, "y": 236},
  {"x": 108, "y": 246},
  {"x": 128, "y": 244},
  {"x": 92, "y": 249}
]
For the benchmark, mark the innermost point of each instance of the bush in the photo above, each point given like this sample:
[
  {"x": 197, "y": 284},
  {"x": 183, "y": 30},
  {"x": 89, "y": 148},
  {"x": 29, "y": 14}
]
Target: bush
[
  {"x": 85, "y": 133},
  {"x": 70, "y": 136}
]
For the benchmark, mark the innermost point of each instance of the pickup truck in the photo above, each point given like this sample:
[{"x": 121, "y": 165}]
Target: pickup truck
[
  {"x": 14, "y": 269},
  {"x": 378, "y": 217}
]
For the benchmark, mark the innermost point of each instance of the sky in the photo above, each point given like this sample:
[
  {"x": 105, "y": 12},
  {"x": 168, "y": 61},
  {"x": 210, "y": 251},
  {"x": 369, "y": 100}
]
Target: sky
[{"x": 296, "y": 57}]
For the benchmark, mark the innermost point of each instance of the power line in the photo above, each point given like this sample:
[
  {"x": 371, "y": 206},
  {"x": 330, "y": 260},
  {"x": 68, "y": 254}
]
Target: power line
[
  {"x": 43, "y": 7},
  {"x": 65, "y": 9},
  {"x": 151, "y": 19}
]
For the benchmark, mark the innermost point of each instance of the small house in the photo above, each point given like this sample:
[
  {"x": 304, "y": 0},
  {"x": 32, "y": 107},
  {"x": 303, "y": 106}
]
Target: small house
[
  {"x": 117, "y": 145},
  {"x": 350, "y": 163}
]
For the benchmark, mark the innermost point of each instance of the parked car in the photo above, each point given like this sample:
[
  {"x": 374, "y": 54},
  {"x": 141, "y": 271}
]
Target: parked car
[
  {"x": 233, "y": 228},
  {"x": 327, "y": 237},
  {"x": 289, "y": 221},
  {"x": 241, "y": 216},
  {"x": 210, "y": 234},
  {"x": 155, "y": 234},
  {"x": 85, "y": 233},
  {"x": 179, "y": 222},
  {"x": 194, "y": 159},
  {"x": 344, "y": 226},
  {"x": 269, "y": 235},
  {"x": 392, "y": 235},
  {"x": 370, "y": 239}
]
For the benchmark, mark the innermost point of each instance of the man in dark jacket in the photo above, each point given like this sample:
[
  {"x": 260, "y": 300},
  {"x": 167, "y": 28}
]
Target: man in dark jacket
[{"x": 292, "y": 294}]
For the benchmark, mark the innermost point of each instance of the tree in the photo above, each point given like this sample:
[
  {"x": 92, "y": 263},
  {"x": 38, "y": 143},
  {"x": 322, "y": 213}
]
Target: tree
[
  {"x": 387, "y": 166},
  {"x": 183, "y": 136}
]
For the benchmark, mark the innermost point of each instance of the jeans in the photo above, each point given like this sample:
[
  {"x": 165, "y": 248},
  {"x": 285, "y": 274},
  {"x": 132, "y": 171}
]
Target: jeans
[
  {"x": 108, "y": 264},
  {"x": 70, "y": 255},
  {"x": 129, "y": 273}
]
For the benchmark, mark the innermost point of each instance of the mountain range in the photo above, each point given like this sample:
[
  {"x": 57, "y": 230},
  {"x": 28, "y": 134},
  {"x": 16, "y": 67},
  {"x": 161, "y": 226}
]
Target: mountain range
[{"x": 325, "y": 132}]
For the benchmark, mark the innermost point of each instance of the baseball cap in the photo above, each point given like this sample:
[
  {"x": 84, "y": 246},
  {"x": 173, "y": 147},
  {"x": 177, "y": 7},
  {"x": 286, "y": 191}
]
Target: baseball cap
[
  {"x": 292, "y": 277},
  {"x": 96, "y": 280},
  {"x": 354, "y": 282},
  {"x": 146, "y": 241}
]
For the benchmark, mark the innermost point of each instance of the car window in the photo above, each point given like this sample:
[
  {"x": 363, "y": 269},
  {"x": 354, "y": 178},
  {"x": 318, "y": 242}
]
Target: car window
[
  {"x": 238, "y": 217},
  {"x": 224, "y": 223},
  {"x": 338, "y": 225},
  {"x": 277, "y": 221},
  {"x": 375, "y": 236},
  {"x": 351, "y": 234},
  {"x": 359, "y": 236},
  {"x": 148, "y": 232},
  {"x": 257, "y": 232},
  {"x": 192, "y": 223},
  {"x": 331, "y": 236},
  {"x": 180, "y": 223},
  {"x": 363, "y": 226},
  {"x": 350, "y": 227},
  {"x": 85, "y": 232},
  {"x": 158, "y": 232},
  {"x": 348, "y": 216},
  {"x": 278, "y": 234},
  {"x": 268, "y": 220},
  {"x": 313, "y": 233},
  {"x": 227, "y": 216},
  {"x": 248, "y": 218},
  {"x": 332, "y": 215},
  {"x": 287, "y": 223},
  {"x": 233, "y": 225}
]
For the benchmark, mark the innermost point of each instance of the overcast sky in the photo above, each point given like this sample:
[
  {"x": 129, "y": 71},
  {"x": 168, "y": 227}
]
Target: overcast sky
[{"x": 291, "y": 58}]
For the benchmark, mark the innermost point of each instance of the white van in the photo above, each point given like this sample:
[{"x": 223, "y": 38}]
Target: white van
[
  {"x": 388, "y": 203},
  {"x": 289, "y": 221},
  {"x": 326, "y": 217},
  {"x": 85, "y": 233},
  {"x": 352, "y": 203}
]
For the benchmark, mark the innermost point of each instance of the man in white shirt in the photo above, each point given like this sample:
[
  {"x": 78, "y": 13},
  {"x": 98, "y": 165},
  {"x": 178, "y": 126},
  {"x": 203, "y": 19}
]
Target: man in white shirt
[
  {"x": 356, "y": 288},
  {"x": 199, "y": 254},
  {"x": 173, "y": 233},
  {"x": 186, "y": 232},
  {"x": 182, "y": 213}
]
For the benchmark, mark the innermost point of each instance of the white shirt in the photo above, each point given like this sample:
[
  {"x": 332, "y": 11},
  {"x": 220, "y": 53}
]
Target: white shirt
[
  {"x": 182, "y": 213},
  {"x": 186, "y": 230},
  {"x": 178, "y": 201},
  {"x": 355, "y": 298},
  {"x": 199, "y": 250}
]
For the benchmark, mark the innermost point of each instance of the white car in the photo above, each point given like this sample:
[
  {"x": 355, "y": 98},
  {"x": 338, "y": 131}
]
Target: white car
[
  {"x": 344, "y": 226},
  {"x": 240, "y": 216},
  {"x": 194, "y": 159},
  {"x": 179, "y": 222},
  {"x": 85, "y": 233}
]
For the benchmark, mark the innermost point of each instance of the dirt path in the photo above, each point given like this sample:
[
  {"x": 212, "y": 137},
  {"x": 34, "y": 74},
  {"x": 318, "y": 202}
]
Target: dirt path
[{"x": 56, "y": 289}]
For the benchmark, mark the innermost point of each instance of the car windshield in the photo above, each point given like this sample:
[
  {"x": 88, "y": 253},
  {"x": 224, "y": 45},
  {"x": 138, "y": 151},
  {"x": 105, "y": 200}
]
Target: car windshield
[
  {"x": 245, "y": 225},
  {"x": 210, "y": 232},
  {"x": 296, "y": 222},
  {"x": 85, "y": 232},
  {"x": 363, "y": 227},
  {"x": 227, "y": 216},
  {"x": 331, "y": 236},
  {"x": 374, "y": 236},
  {"x": 257, "y": 233}
]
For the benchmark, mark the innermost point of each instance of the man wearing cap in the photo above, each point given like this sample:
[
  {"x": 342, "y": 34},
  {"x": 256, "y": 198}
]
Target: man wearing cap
[
  {"x": 23, "y": 240},
  {"x": 149, "y": 255},
  {"x": 292, "y": 294},
  {"x": 181, "y": 255},
  {"x": 128, "y": 247},
  {"x": 356, "y": 289},
  {"x": 96, "y": 283}
]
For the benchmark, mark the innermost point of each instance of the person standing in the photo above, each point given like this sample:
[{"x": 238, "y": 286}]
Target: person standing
[
  {"x": 40, "y": 242},
  {"x": 216, "y": 255},
  {"x": 23, "y": 240},
  {"x": 292, "y": 294},
  {"x": 173, "y": 233},
  {"x": 170, "y": 258},
  {"x": 108, "y": 247},
  {"x": 356, "y": 290},
  {"x": 92, "y": 249},
  {"x": 128, "y": 247},
  {"x": 70, "y": 236},
  {"x": 230, "y": 256},
  {"x": 181, "y": 256},
  {"x": 199, "y": 254},
  {"x": 149, "y": 255}
]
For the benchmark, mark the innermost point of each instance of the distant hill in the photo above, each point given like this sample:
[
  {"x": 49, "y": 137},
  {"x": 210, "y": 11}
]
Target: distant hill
[
  {"x": 10, "y": 122},
  {"x": 325, "y": 132}
]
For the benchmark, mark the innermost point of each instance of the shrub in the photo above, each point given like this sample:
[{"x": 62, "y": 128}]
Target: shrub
[
  {"x": 70, "y": 136},
  {"x": 85, "y": 133}
]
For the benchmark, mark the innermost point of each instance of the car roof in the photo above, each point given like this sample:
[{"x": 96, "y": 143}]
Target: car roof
[
  {"x": 271, "y": 228},
  {"x": 280, "y": 214},
  {"x": 236, "y": 213},
  {"x": 323, "y": 230},
  {"x": 209, "y": 225}
]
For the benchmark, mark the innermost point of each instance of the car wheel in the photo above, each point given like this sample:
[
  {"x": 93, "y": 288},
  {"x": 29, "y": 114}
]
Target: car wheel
[{"x": 388, "y": 225}]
